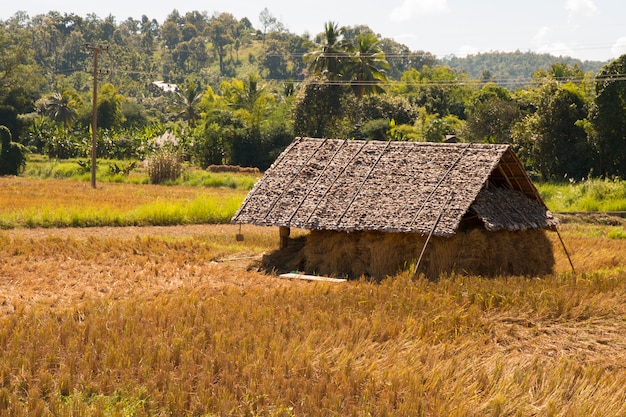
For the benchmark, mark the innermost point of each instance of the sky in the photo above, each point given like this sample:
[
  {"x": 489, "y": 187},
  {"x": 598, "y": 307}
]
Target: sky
[{"x": 583, "y": 29}]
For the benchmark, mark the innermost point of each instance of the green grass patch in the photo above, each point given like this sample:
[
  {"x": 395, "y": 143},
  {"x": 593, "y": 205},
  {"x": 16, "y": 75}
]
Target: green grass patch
[
  {"x": 202, "y": 209},
  {"x": 589, "y": 195},
  {"x": 616, "y": 233}
]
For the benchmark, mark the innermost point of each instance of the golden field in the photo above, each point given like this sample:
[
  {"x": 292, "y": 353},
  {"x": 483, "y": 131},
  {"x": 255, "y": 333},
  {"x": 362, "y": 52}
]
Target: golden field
[{"x": 177, "y": 321}]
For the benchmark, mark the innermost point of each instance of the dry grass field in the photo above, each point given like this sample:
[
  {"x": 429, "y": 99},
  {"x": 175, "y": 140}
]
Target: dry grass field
[{"x": 142, "y": 321}]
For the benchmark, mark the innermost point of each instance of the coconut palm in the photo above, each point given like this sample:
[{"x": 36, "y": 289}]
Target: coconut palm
[
  {"x": 60, "y": 107},
  {"x": 366, "y": 69},
  {"x": 186, "y": 103},
  {"x": 330, "y": 60}
]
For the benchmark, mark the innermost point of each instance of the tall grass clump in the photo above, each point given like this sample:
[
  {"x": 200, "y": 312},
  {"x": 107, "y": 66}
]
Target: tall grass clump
[{"x": 164, "y": 165}]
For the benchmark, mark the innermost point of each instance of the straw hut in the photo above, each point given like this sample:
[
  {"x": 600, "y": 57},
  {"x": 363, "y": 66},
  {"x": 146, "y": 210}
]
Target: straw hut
[{"x": 375, "y": 208}]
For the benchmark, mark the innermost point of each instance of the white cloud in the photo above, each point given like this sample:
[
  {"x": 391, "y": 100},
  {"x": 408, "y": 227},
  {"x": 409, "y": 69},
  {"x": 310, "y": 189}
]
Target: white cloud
[
  {"x": 582, "y": 8},
  {"x": 411, "y": 8},
  {"x": 544, "y": 44},
  {"x": 541, "y": 35},
  {"x": 466, "y": 50},
  {"x": 619, "y": 47}
]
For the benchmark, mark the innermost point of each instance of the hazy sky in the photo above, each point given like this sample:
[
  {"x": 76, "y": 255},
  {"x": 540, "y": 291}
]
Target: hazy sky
[{"x": 585, "y": 29}]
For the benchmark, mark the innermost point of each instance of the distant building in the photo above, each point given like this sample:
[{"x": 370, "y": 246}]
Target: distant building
[{"x": 162, "y": 85}]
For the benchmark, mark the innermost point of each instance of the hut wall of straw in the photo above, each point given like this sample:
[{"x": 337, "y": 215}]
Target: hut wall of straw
[{"x": 379, "y": 254}]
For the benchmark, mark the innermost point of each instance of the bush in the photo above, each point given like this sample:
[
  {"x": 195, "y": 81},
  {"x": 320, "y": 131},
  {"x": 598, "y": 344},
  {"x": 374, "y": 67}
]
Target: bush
[
  {"x": 12, "y": 155},
  {"x": 164, "y": 165}
]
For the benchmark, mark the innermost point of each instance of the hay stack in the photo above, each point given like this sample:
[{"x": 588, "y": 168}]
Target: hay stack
[{"x": 380, "y": 254}]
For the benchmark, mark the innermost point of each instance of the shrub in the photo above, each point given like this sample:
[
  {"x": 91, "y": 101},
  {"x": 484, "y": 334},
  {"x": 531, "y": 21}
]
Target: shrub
[
  {"x": 12, "y": 155},
  {"x": 164, "y": 165}
]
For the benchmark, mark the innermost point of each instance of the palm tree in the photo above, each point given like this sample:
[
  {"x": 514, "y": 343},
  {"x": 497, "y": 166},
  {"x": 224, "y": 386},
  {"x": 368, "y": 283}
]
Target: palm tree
[
  {"x": 59, "y": 106},
  {"x": 329, "y": 61},
  {"x": 366, "y": 69},
  {"x": 187, "y": 102}
]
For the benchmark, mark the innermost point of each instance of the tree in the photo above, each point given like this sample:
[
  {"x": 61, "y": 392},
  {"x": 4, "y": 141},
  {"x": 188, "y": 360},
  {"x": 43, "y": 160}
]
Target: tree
[
  {"x": 274, "y": 60},
  {"x": 17, "y": 68},
  {"x": 61, "y": 106},
  {"x": 329, "y": 61},
  {"x": 492, "y": 113},
  {"x": 109, "y": 109},
  {"x": 401, "y": 58},
  {"x": 561, "y": 72},
  {"x": 220, "y": 32},
  {"x": 189, "y": 32},
  {"x": 556, "y": 140},
  {"x": 437, "y": 128},
  {"x": 252, "y": 102},
  {"x": 269, "y": 23},
  {"x": 170, "y": 33},
  {"x": 208, "y": 144},
  {"x": 608, "y": 118},
  {"x": 12, "y": 155},
  {"x": 187, "y": 101},
  {"x": 319, "y": 111},
  {"x": 440, "y": 90},
  {"x": 149, "y": 32},
  {"x": 366, "y": 69},
  {"x": 385, "y": 106}
]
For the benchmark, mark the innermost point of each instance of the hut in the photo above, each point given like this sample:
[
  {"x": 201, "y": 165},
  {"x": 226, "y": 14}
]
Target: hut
[{"x": 376, "y": 208}]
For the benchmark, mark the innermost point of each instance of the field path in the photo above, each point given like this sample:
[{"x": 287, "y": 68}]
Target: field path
[{"x": 122, "y": 232}]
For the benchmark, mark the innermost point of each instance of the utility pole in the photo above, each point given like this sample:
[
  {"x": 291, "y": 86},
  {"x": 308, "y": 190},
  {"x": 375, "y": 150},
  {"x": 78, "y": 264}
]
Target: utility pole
[{"x": 94, "y": 112}]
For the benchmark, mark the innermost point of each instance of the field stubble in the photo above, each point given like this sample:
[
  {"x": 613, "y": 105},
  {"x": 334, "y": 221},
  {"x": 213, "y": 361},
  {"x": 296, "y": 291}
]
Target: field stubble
[{"x": 170, "y": 320}]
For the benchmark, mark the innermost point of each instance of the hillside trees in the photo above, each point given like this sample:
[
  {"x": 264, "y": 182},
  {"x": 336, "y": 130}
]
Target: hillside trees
[
  {"x": 609, "y": 118},
  {"x": 20, "y": 78},
  {"x": 340, "y": 65},
  {"x": 220, "y": 32},
  {"x": 560, "y": 147},
  {"x": 356, "y": 84},
  {"x": 440, "y": 90},
  {"x": 491, "y": 114},
  {"x": 247, "y": 125}
]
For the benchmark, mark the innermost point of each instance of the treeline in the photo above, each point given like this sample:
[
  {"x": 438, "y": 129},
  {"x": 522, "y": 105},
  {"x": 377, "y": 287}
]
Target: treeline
[
  {"x": 513, "y": 69},
  {"x": 232, "y": 93}
]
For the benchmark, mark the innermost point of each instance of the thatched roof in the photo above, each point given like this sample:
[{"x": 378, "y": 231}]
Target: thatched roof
[{"x": 414, "y": 187}]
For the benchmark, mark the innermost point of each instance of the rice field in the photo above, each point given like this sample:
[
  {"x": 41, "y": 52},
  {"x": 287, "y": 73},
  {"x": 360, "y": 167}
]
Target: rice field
[
  {"x": 29, "y": 202},
  {"x": 177, "y": 320}
]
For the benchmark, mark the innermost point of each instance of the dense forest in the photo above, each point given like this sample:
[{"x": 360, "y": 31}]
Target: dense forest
[{"x": 228, "y": 92}]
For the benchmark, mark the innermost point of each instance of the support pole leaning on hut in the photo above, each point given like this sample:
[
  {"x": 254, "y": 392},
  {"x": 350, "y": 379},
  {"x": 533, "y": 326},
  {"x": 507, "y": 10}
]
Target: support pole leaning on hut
[
  {"x": 564, "y": 248},
  {"x": 432, "y": 230}
]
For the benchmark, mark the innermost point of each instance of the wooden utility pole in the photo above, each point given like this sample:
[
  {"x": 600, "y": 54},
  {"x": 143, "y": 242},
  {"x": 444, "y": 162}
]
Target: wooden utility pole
[{"x": 94, "y": 112}]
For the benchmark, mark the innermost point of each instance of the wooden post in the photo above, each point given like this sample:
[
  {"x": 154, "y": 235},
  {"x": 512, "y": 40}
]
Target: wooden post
[
  {"x": 94, "y": 117},
  {"x": 284, "y": 232}
]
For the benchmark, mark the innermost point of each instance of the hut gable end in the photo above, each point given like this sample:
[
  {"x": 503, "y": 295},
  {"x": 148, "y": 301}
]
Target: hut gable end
[{"x": 411, "y": 187}]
